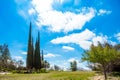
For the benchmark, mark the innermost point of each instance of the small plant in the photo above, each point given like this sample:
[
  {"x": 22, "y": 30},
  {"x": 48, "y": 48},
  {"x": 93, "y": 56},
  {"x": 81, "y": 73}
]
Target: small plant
[{"x": 43, "y": 70}]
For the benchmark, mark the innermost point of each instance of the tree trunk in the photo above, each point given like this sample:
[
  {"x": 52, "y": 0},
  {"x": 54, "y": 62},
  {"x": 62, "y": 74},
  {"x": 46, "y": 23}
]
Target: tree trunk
[{"x": 105, "y": 73}]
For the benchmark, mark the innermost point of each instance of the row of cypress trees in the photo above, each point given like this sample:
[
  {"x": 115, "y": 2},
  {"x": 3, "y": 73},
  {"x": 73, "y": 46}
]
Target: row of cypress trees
[{"x": 34, "y": 58}]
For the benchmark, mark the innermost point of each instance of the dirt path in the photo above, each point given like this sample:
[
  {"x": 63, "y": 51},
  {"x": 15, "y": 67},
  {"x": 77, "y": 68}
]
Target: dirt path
[
  {"x": 5, "y": 73},
  {"x": 101, "y": 77}
]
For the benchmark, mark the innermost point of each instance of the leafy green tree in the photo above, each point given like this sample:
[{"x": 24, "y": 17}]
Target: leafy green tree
[
  {"x": 5, "y": 57},
  {"x": 73, "y": 65},
  {"x": 104, "y": 55},
  {"x": 46, "y": 64},
  {"x": 56, "y": 68},
  {"x": 20, "y": 63}
]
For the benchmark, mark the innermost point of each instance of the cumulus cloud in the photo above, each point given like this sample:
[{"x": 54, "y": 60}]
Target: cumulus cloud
[
  {"x": 50, "y": 55},
  {"x": 101, "y": 39},
  {"x": 83, "y": 39},
  {"x": 102, "y": 12},
  {"x": 58, "y": 21},
  {"x": 68, "y": 48},
  {"x": 117, "y": 36}
]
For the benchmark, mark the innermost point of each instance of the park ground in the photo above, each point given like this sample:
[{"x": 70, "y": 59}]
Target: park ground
[
  {"x": 49, "y": 76},
  {"x": 79, "y": 75}
]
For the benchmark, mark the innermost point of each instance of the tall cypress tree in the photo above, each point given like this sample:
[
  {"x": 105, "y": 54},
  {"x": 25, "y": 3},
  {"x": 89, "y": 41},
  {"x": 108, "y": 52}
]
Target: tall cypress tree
[
  {"x": 37, "y": 57},
  {"x": 42, "y": 59},
  {"x": 32, "y": 56},
  {"x": 29, "y": 52}
]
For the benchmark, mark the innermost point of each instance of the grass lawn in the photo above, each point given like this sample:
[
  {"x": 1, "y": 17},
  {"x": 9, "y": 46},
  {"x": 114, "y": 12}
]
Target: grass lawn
[{"x": 49, "y": 76}]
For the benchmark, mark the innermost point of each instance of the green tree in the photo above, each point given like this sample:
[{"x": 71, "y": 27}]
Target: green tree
[
  {"x": 56, "y": 68},
  {"x": 32, "y": 55},
  {"x": 30, "y": 50},
  {"x": 116, "y": 65},
  {"x": 73, "y": 65},
  {"x": 37, "y": 57},
  {"x": 42, "y": 60},
  {"x": 104, "y": 55},
  {"x": 46, "y": 64},
  {"x": 42, "y": 57},
  {"x": 4, "y": 56}
]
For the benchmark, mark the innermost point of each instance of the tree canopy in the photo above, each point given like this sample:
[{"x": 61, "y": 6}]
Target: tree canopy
[{"x": 104, "y": 54}]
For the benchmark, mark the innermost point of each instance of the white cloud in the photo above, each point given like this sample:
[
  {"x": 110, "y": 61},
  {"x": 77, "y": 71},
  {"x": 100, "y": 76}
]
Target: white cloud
[
  {"x": 82, "y": 39},
  {"x": 18, "y": 58},
  {"x": 72, "y": 59},
  {"x": 23, "y": 14},
  {"x": 23, "y": 52},
  {"x": 68, "y": 48},
  {"x": 118, "y": 36},
  {"x": 113, "y": 43},
  {"x": 102, "y": 12},
  {"x": 50, "y": 55},
  {"x": 31, "y": 11},
  {"x": 58, "y": 21},
  {"x": 101, "y": 39}
]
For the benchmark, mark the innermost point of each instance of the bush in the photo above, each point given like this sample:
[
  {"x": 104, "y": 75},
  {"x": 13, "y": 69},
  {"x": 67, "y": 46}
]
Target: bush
[
  {"x": 116, "y": 73},
  {"x": 43, "y": 70}
]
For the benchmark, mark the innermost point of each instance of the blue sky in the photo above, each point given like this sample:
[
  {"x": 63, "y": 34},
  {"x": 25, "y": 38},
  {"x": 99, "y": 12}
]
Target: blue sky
[{"x": 67, "y": 27}]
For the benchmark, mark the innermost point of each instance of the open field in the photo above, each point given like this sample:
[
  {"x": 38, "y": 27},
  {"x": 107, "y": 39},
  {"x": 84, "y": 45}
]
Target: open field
[{"x": 49, "y": 76}]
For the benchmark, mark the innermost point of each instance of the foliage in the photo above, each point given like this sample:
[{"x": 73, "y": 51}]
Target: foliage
[
  {"x": 30, "y": 50},
  {"x": 5, "y": 59},
  {"x": 43, "y": 70},
  {"x": 104, "y": 55},
  {"x": 56, "y": 68},
  {"x": 116, "y": 73},
  {"x": 116, "y": 65},
  {"x": 73, "y": 65},
  {"x": 34, "y": 58}
]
